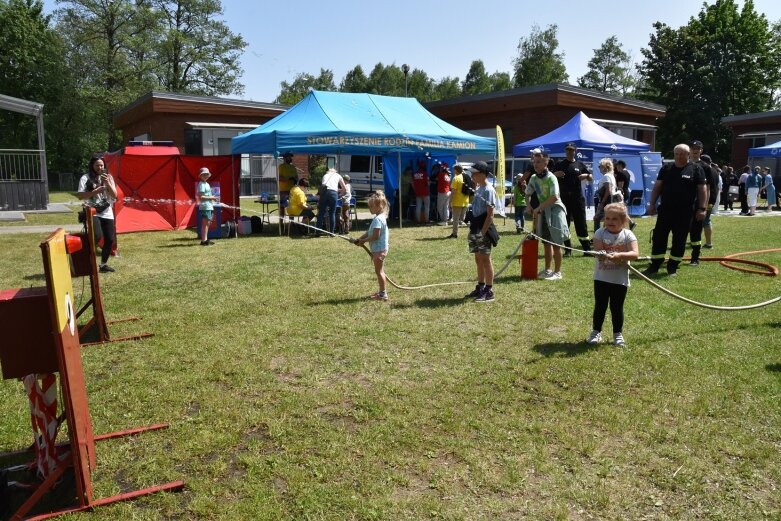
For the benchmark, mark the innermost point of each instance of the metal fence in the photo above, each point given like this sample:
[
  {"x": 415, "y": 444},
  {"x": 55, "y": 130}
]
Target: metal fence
[
  {"x": 20, "y": 165},
  {"x": 258, "y": 174},
  {"x": 23, "y": 183}
]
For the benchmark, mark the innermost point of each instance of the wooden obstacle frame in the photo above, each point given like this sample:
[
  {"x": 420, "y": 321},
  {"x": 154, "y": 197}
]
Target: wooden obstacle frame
[
  {"x": 59, "y": 352},
  {"x": 84, "y": 264}
]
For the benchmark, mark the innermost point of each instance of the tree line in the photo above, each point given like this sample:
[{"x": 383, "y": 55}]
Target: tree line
[{"x": 90, "y": 58}]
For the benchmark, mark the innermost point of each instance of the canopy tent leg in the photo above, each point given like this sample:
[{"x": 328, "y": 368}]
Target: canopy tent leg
[{"x": 398, "y": 155}]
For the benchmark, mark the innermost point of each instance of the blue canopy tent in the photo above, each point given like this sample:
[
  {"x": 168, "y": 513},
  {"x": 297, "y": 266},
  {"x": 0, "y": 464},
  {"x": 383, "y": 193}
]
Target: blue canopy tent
[
  {"x": 586, "y": 134},
  {"x": 368, "y": 124},
  {"x": 598, "y": 142},
  {"x": 772, "y": 150}
]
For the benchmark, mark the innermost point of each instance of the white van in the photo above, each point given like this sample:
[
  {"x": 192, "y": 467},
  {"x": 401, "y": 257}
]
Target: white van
[{"x": 365, "y": 172}]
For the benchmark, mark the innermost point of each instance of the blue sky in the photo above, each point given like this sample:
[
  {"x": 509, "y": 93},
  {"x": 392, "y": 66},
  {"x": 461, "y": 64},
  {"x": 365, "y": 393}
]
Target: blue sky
[{"x": 440, "y": 37}]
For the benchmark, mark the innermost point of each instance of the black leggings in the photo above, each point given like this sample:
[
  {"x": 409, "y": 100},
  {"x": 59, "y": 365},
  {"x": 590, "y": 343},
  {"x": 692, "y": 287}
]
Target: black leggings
[
  {"x": 615, "y": 294},
  {"x": 107, "y": 228}
]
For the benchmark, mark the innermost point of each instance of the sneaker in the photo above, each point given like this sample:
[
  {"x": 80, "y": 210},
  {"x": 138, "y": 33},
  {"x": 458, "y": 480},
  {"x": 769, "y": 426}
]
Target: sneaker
[
  {"x": 379, "y": 296},
  {"x": 707, "y": 246},
  {"x": 486, "y": 296},
  {"x": 204, "y": 243},
  {"x": 105, "y": 268},
  {"x": 568, "y": 253},
  {"x": 649, "y": 272},
  {"x": 694, "y": 262},
  {"x": 672, "y": 273},
  {"x": 544, "y": 274},
  {"x": 475, "y": 292},
  {"x": 594, "y": 337},
  {"x": 556, "y": 275},
  {"x": 618, "y": 340},
  {"x": 452, "y": 236}
]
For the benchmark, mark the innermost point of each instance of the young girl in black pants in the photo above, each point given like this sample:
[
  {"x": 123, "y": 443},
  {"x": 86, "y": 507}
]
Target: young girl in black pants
[{"x": 617, "y": 246}]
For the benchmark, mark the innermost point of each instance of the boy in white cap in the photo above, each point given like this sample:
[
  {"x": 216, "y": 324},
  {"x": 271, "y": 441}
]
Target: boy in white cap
[{"x": 205, "y": 201}]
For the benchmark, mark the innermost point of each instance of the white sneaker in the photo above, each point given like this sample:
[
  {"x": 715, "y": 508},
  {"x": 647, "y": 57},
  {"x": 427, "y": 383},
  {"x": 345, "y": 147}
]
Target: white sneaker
[
  {"x": 556, "y": 275},
  {"x": 618, "y": 340},
  {"x": 594, "y": 337},
  {"x": 544, "y": 274}
]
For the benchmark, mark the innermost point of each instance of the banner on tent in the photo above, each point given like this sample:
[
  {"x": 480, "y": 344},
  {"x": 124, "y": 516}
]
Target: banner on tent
[{"x": 390, "y": 141}]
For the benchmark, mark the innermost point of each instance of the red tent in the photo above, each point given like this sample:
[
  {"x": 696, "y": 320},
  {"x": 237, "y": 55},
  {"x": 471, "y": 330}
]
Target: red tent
[{"x": 156, "y": 187}]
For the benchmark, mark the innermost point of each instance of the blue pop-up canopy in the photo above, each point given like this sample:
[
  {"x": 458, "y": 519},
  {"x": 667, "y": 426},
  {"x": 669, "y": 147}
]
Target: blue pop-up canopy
[
  {"x": 368, "y": 124},
  {"x": 583, "y": 132},
  {"x": 772, "y": 150}
]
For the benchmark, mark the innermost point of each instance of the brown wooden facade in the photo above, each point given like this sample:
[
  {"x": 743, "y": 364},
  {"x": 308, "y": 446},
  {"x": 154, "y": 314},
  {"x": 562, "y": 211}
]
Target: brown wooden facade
[
  {"x": 528, "y": 112},
  {"x": 752, "y": 130},
  {"x": 162, "y": 116}
]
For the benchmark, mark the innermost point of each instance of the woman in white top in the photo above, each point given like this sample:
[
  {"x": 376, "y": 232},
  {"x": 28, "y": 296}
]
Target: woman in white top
[
  {"x": 98, "y": 190},
  {"x": 331, "y": 185},
  {"x": 607, "y": 190}
]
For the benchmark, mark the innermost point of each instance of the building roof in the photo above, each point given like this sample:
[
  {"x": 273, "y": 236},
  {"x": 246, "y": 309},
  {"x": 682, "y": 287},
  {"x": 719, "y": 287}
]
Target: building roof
[
  {"x": 192, "y": 98},
  {"x": 19, "y": 105},
  {"x": 550, "y": 87},
  {"x": 754, "y": 116}
]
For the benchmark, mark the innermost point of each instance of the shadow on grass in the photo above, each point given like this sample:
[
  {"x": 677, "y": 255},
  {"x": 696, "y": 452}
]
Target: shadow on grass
[
  {"x": 337, "y": 301},
  {"x": 37, "y": 276},
  {"x": 190, "y": 242},
  {"x": 773, "y": 367},
  {"x": 566, "y": 349},
  {"x": 432, "y": 303},
  {"x": 438, "y": 238}
]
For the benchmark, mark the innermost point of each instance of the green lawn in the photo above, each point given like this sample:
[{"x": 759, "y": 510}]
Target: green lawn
[{"x": 292, "y": 397}]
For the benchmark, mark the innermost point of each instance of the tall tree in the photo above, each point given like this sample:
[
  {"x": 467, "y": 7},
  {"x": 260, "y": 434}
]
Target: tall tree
[
  {"x": 386, "y": 80},
  {"x": 294, "y": 92},
  {"x": 500, "y": 81},
  {"x": 447, "y": 88},
  {"x": 724, "y": 61},
  {"x": 99, "y": 33},
  {"x": 420, "y": 86},
  {"x": 32, "y": 68},
  {"x": 608, "y": 70},
  {"x": 198, "y": 53},
  {"x": 476, "y": 81},
  {"x": 537, "y": 61},
  {"x": 354, "y": 81}
]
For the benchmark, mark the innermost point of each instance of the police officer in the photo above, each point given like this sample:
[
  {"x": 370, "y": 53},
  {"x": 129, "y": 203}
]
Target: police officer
[
  {"x": 711, "y": 188},
  {"x": 570, "y": 173},
  {"x": 682, "y": 187}
]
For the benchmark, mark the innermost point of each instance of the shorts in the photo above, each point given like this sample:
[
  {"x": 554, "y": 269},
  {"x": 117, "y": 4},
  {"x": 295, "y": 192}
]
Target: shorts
[
  {"x": 208, "y": 214},
  {"x": 479, "y": 243},
  {"x": 379, "y": 255},
  {"x": 707, "y": 222}
]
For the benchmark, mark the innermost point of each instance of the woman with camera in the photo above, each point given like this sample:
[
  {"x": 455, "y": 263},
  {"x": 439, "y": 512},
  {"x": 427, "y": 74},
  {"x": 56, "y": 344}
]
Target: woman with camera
[{"x": 98, "y": 190}]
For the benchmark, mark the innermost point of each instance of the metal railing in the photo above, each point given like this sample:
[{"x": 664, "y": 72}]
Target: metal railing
[{"x": 21, "y": 165}]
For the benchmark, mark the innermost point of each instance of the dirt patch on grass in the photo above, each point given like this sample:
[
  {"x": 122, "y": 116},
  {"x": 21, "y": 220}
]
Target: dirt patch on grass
[{"x": 341, "y": 415}]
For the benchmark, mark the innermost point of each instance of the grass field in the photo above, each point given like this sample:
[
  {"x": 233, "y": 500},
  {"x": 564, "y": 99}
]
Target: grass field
[{"x": 292, "y": 397}]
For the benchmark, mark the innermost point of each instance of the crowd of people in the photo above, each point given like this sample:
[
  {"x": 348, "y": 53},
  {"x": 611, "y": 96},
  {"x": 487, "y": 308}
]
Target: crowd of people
[{"x": 685, "y": 194}]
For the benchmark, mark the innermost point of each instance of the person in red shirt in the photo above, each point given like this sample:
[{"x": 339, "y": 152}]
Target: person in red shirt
[
  {"x": 422, "y": 195},
  {"x": 443, "y": 194}
]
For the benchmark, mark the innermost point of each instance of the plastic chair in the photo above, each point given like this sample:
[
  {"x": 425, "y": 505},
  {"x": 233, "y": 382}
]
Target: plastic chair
[
  {"x": 353, "y": 214},
  {"x": 289, "y": 220}
]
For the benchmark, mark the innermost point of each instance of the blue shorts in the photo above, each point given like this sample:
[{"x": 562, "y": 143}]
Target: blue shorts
[{"x": 207, "y": 214}]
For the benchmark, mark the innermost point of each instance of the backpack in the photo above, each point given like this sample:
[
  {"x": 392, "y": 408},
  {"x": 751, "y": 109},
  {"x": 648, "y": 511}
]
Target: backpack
[
  {"x": 256, "y": 223},
  {"x": 468, "y": 188}
]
